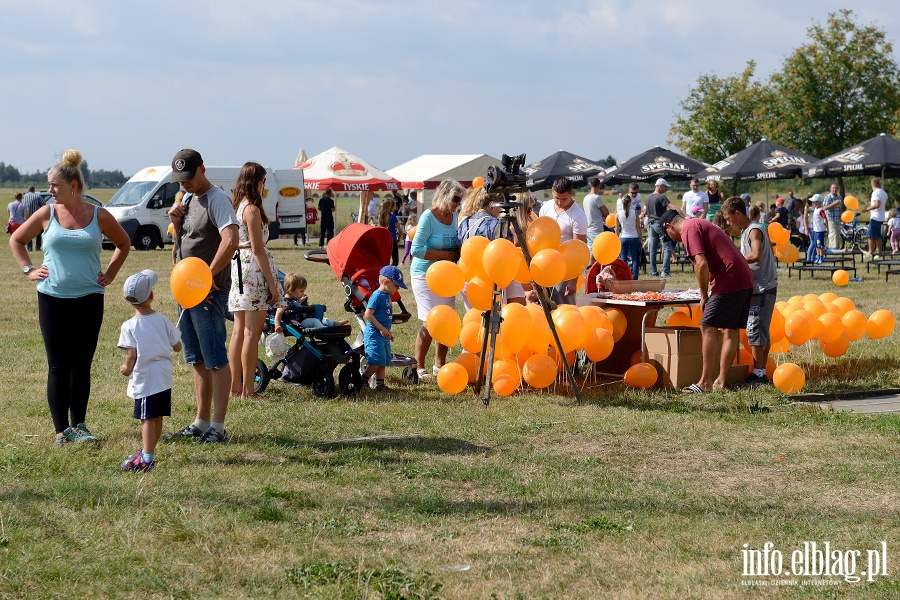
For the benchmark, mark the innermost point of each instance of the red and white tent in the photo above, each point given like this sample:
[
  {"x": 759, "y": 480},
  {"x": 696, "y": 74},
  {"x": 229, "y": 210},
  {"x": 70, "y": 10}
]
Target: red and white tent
[
  {"x": 343, "y": 172},
  {"x": 427, "y": 171}
]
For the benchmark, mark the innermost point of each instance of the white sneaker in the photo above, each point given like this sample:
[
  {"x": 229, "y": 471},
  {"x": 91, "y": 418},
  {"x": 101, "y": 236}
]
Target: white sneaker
[
  {"x": 435, "y": 370},
  {"x": 423, "y": 374}
]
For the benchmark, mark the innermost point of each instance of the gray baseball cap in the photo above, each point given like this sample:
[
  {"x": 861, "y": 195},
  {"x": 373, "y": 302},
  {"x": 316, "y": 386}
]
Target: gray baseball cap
[{"x": 139, "y": 286}]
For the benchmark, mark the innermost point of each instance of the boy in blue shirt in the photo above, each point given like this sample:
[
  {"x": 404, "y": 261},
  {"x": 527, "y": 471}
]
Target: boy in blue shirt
[{"x": 377, "y": 335}]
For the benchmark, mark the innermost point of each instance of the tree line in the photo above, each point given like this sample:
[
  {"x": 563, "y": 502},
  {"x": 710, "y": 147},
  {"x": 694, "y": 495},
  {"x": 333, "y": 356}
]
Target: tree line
[{"x": 11, "y": 177}]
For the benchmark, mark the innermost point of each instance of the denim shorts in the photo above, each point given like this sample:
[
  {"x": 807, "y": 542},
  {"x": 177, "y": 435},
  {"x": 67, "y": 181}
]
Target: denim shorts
[
  {"x": 203, "y": 332},
  {"x": 873, "y": 232}
]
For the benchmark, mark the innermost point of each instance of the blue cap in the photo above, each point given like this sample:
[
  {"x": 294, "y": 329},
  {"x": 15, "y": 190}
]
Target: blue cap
[
  {"x": 745, "y": 197},
  {"x": 394, "y": 274}
]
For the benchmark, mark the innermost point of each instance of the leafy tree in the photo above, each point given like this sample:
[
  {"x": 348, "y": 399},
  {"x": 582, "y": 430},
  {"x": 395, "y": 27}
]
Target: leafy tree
[
  {"x": 840, "y": 88},
  {"x": 609, "y": 161},
  {"x": 722, "y": 116}
]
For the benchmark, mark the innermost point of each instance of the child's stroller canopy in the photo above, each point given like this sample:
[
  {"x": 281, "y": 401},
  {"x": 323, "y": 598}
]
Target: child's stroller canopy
[{"x": 359, "y": 247}]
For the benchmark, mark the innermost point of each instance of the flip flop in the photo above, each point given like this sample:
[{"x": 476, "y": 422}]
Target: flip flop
[{"x": 694, "y": 389}]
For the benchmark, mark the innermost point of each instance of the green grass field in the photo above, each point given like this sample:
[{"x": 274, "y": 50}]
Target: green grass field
[{"x": 416, "y": 494}]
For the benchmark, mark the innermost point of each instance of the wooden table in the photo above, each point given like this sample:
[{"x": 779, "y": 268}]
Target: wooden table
[{"x": 639, "y": 315}]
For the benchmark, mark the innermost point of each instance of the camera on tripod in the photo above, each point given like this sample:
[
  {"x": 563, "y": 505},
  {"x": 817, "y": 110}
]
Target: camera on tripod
[{"x": 507, "y": 177}]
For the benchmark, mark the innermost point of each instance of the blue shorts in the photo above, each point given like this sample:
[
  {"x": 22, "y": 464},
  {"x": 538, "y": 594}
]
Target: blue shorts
[
  {"x": 818, "y": 239},
  {"x": 154, "y": 405},
  {"x": 874, "y": 231},
  {"x": 378, "y": 350},
  {"x": 203, "y": 332}
]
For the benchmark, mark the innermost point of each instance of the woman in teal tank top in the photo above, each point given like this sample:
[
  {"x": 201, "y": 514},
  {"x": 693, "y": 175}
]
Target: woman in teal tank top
[{"x": 70, "y": 285}]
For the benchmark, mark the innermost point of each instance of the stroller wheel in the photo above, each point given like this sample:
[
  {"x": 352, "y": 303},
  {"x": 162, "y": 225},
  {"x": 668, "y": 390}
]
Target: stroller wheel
[
  {"x": 323, "y": 384},
  {"x": 349, "y": 379},
  {"x": 261, "y": 379},
  {"x": 410, "y": 376}
]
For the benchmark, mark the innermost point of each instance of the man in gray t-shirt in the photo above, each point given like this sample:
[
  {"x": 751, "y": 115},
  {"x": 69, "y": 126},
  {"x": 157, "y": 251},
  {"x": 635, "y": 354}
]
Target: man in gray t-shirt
[
  {"x": 656, "y": 205},
  {"x": 33, "y": 201},
  {"x": 207, "y": 228},
  {"x": 595, "y": 211}
]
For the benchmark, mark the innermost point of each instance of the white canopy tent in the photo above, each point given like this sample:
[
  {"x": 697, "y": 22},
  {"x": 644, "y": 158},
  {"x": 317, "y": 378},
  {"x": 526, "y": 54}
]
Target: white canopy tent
[{"x": 426, "y": 172}]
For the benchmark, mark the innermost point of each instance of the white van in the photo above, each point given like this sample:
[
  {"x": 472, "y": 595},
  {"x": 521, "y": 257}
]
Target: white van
[{"x": 140, "y": 206}]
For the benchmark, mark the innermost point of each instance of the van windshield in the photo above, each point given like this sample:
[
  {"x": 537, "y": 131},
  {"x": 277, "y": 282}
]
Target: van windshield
[{"x": 132, "y": 193}]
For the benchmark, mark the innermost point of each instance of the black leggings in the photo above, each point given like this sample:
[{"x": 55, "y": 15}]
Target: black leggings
[
  {"x": 326, "y": 232},
  {"x": 395, "y": 254},
  {"x": 70, "y": 327}
]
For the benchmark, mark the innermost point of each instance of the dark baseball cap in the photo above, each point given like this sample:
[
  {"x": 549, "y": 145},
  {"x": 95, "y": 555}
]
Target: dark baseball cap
[
  {"x": 666, "y": 218},
  {"x": 185, "y": 164}
]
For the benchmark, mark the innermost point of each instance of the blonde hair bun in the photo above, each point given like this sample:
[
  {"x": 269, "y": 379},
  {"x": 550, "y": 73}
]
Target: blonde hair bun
[{"x": 71, "y": 158}]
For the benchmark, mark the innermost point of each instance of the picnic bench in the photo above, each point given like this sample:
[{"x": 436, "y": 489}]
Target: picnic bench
[{"x": 829, "y": 263}]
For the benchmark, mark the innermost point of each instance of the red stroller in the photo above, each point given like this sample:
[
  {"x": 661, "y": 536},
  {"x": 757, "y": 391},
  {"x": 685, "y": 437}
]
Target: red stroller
[{"x": 356, "y": 255}]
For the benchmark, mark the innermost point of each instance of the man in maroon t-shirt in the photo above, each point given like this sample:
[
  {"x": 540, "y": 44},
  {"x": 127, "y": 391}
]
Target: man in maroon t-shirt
[{"x": 717, "y": 261}]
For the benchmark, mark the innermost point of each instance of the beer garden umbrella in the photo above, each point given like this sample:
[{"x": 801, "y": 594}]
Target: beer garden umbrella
[
  {"x": 761, "y": 161},
  {"x": 343, "y": 172},
  {"x": 562, "y": 164},
  {"x": 879, "y": 156},
  {"x": 652, "y": 164}
]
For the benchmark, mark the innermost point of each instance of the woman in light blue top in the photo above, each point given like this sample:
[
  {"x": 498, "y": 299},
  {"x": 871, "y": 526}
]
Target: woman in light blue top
[
  {"x": 436, "y": 239},
  {"x": 70, "y": 289}
]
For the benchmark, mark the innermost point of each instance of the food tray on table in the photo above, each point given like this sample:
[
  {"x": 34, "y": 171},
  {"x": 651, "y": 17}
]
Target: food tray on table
[{"x": 637, "y": 285}]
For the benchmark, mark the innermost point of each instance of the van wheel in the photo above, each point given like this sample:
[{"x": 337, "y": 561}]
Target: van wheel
[{"x": 147, "y": 238}]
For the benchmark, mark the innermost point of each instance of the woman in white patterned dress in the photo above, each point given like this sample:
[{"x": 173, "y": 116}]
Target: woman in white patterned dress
[{"x": 261, "y": 288}]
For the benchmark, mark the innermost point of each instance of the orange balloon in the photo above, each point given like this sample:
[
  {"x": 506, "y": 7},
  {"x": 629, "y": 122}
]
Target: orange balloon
[
  {"x": 745, "y": 341},
  {"x": 743, "y": 357},
  {"x": 607, "y": 247},
  {"x": 814, "y": 325},
  {"x": 467, "y": 271},
  {"x": 594, "y": 316},
  {"x": 411, "y": 234},
  {"x": 619, "y": 322},
  {"x": 642, "y": 375},
  {"x": 473, "y": 315},
  {"x": 502, "y": 367},
  {"x": 504, "y": 385},
  {"x": 781, "y": 347},
  {"x": 679, "y": 318},
  {"x": 478, "y": 182},
  {"x": 611, "y": 220},
  {"x": 499, "y": 260},
  {"x": 542, "y": 234},
  {"x": 190, "y": 281},
  {"x": 770, "y": 367},
  {"x": 452, "y": 378},
  {"x": 470, "y": 337},
  {"x": 443, "y": 324},
  {"x": 827, "y": 297},
  {"x": 548, "y": 267},
  {"x": 523, "y": 275},
  {"x": 837, "y": 348},
  {"x": 577, "y": 256},
  {"x": 471, "y": 253},
  {"x": 539, "y": 371},
  {"x": 847, "y": 216},
  {"x": 579, "y": 284},
  {"x": 774, "y": 230},
  {"x": 855, "y": 324},
  {"x": 816, "y": 308},
  {"x": 470, "y": 364},
  {"x": 789, "y": 378},
  {"x": 840, "y": 277},
  {"x": 832, "y": 328},
  {"x": 539, "y": 332},
  {"x": 797, "y": 329},
  {"x": 851, "y": 202},
  {"x": 636, "y": 357},
  {"x": 844, "y": 304},
  {"x": 776, "y": 326},
  {"x": 512, "y": 328},
  {"x": 445, "y": 278},
  {"x": 599, "y": 344},
  {"x": 571, "y": 329},
  {"x": 480, "y": 293},
  {"x": 789, "y": 252},
  {"x": 881, "y": 324}
]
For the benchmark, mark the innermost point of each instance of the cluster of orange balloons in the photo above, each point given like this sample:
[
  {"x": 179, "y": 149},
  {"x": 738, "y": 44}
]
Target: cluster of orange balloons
[
  {"x": 525, "y": 350},
  {"x": 785, "y": 251},
  {"x": 551, "y": 261},
  {"x": 852, "y": 205}
]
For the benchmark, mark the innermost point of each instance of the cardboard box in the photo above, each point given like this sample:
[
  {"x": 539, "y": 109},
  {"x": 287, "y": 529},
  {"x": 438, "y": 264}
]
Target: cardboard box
[
  {"x": 677, "y": 341},
  {"x": 676, "y": 352}
]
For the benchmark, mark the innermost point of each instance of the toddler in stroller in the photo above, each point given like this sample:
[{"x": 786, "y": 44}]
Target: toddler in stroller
[
  {"x": 356, "y": 255},
  {"x": 319, "y": 346}
]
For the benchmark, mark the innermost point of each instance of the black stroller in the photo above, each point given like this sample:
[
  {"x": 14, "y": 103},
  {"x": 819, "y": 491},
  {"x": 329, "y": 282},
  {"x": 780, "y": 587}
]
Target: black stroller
[{"x": 316, "y": 352}]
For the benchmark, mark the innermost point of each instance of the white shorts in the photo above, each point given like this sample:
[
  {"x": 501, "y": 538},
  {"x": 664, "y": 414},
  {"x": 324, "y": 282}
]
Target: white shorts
[
  {"x": 426, "y": 299},
  {"x": 513, "y": 290}
]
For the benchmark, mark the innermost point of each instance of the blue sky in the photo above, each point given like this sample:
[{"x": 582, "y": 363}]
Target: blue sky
[{"x": 130, "y": 83}]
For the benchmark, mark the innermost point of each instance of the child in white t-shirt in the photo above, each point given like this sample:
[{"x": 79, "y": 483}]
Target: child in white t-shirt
[
  {"x": 893, "y": 226},
  {"x": 149, "y": 338}
]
